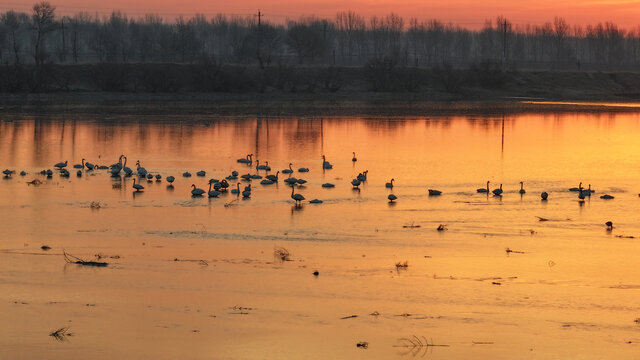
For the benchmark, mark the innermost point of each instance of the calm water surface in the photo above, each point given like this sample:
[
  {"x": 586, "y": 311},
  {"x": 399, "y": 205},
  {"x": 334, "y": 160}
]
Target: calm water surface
[{"x": 575, "y": 281}]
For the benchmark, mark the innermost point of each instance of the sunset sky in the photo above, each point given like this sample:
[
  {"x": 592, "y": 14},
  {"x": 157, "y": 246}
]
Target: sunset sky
[{"x": 469, "y": 13}]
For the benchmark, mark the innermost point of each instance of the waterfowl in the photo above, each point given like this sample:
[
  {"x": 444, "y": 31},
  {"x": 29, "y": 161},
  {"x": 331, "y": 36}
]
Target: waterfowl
[
  {"x": 79, "y": 166},
  {"x": 579, "y": 188},
  {"x": 247, "y": 160},
  {"x": 213, "y": 193},
  {"x": 196, "y": 191},
  {"x": 544, "y": 195},
  {"x": 389, "y": 185},
  {"x": 237, "y": 190},
  {"x": 298, "y": 198},
  {"x": 434, "y": 192},
  {"x": 498, "y": 192},
  {"x": 484, "y": 190},
  {"x": 607, "y": 197},
  {"x": 316, "y": 201},
  {"x": 303, "y": 170},
  {"x": 328, "y": 185},
  {"x": 201, "y": 173},
  {"x": 186, "y": 174},
  {"x": 141, "y": 171},
  {"x": 392, "y": 198},
  {"x": 273, "y": 178},
  {"x": 522, "y": 191},
  {"x": 171, "y": 179},
  {"x": 326, "y": 164},
  {"x": 289, "y": 170},
  {"x": 137, "y": 187},
  {"x": 60, "y": 165},
  {"x": 355, "y": 183},
  {"x": 354, "y": 159}
]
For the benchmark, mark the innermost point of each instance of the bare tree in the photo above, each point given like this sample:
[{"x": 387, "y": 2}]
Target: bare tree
[
  {"x": 43, "y": 23},
  {"x": 14, "y": 23}
]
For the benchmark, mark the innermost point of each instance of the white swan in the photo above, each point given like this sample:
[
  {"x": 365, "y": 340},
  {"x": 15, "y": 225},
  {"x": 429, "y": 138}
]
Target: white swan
[
  {"x": 297, "y": 197},
  {"x": 79, "y": 166},
  {"x": 61, "y": 165},
  {"x": 289, "y": 170},
  {"x": 326, "y": 164},
  {"x": 389, "y": 185},
  {"x": 196, "y": 191},
  {"x": 138, "y": 187},
  {"x": 484, "y": 190}
]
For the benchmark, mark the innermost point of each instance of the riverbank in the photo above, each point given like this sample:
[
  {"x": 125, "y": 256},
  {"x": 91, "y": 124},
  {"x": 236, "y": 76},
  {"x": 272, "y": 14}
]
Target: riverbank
[
  {"x": 304, "y": 90},
  {"x": 282, "y": 105}
]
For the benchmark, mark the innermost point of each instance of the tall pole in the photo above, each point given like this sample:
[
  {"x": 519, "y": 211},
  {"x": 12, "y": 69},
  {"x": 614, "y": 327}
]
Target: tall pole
[{"x": 259, "y": 39}]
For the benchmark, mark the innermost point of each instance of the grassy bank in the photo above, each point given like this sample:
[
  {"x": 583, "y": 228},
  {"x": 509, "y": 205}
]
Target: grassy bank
[{"x": 378, "y": 88}]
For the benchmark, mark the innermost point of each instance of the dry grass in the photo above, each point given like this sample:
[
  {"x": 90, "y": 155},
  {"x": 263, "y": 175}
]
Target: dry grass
[{"x": 281, "y": 253}]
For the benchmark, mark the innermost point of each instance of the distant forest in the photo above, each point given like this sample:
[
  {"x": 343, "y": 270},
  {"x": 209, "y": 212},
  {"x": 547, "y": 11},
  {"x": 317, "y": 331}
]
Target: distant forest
[
  {"x": 348, "y": 39},
  {"x": 33, "y": 45}
]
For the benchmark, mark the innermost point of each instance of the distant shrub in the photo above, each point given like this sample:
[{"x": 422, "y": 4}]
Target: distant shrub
[
  {"x": 487, "y": 74},
  {"x": 379, "y": 72},
  {"x": 332, "y": 79},
  {"x": 385, "y": 74},
  {"x": 450, "y": 78},
  {"x": 112, "y": 77}
]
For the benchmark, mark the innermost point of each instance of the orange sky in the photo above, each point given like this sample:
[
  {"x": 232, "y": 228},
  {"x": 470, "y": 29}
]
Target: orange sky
[{"x": 469, "y": 13}]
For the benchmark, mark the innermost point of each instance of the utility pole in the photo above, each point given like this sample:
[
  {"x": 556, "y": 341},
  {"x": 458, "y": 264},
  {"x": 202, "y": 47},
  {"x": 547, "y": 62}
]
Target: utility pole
[
  {"x": 260, "y": 15},
  {"x": 504, "y": 42},
  {"x": 64, "y": 49}
]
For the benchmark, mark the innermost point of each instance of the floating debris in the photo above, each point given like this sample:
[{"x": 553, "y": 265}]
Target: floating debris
[
  {"x": 61, "y": 334},
  {"x": 410, "y": 226},
  {"x": 375, "y": 313},
  {"x": 509, "y": 251},
  {"x": 363, "y": 345},
  {"x": 199, "y": 261},
  {"x": 349, "y": 317},
  {"x": 76, "y": 260},
  {"x": 416, "y": 345},
  {"x": 403, "y": 265},
  {"x": 45, "y": 247},
  {"x": 442, "y": 227},
  {"x": 281, "y": 253}
]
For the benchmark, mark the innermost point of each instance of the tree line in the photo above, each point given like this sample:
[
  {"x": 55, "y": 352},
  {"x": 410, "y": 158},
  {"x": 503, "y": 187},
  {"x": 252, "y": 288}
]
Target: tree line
[{"x": 350, "y": 39}]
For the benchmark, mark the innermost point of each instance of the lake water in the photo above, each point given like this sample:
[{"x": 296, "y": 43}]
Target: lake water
[{"x": 572, "y": 292}]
